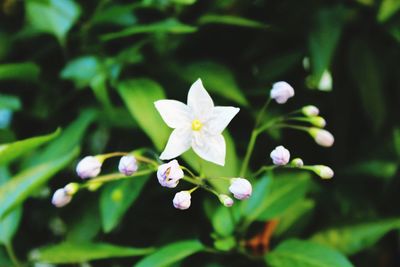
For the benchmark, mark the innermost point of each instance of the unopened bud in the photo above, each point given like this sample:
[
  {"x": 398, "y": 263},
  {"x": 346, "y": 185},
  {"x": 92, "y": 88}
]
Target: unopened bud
[
  {"x": 89, "y": 167},
  {"x": 297, "y": 162},
  {"x": 226, "y": 200},
  {"x": 182, "y": 200},
  {"x": 322, "y": 137},
  {"x": 60, "y": 198},
  {"x": 310, "y": 111},
  {"x": 71, "y": 188},
  {"x": 280, "y": 156},
  {"x": 169, "y": 174},
  {"x": 240, "y": 188},
  {"x": 281, "y": 92},
  {"x": 128, "y": 165},
  {"x": 323, "y": 171},
  {"x": 318, "y": 121}
]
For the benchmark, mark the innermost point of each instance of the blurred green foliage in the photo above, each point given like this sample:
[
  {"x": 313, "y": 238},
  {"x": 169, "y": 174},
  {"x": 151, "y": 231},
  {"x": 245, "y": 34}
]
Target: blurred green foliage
[{"x": 94, "y": 68}]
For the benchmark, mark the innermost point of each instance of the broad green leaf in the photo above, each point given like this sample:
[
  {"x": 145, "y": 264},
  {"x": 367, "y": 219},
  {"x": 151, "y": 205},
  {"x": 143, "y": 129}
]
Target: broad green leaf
[
  {"x": 26, "y": 71},
  {"x": 277, "y": 66},
  {"x": 230, "y": 20},
  {"x": 116, "y": 198},
  {"x": 216, "y": 78},
  {"x": 11, "y": 151},
  {"x": 24, "y": 184},
  {"x": 56, "y": 16},
  {"x": 68, "y": 253},
  {"x": 298, "y": 253},
  {"x": 352, "y": 239},
  {"x": 139, "y": 96},
  {"x": 225, "y": 244},
  {"x": 4, "y": 259},
  {"x": 387, "y": 9},
  {"x": 116, "y": 14},
  {"x": 253, "y": 207},
  {"x": 85, "y": 224},
  {"x": 222, "y": 221},
  {"x": 170, "y": 25},
  {"x": 184, "y": 2},
  {"x": 378, "y": 168},
  {"x": 10, "y": 102},
  {"x": 82, "y": 70},
  {"x": 171, "y": 253},
  {"x": 365, "y": 70}
]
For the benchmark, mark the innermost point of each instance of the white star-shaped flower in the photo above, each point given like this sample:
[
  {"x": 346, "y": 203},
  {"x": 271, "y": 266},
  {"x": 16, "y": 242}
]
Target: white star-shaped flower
[{"x": 199, "y": 125}]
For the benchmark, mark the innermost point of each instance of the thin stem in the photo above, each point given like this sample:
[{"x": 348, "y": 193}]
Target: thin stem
[
  {"x": 146, "y": 160},
  {"x": 117, "y": 176},
  {"x": 249, "y": 151},
  {"x": 192, "y": 180},
  {"x": 11, "y": 254},
  {"x": 188, "y": 171},
  {"x": 261, "y": 112},
  {"x": 296, "y": 127},
  {"x": 264, "y": 169}
]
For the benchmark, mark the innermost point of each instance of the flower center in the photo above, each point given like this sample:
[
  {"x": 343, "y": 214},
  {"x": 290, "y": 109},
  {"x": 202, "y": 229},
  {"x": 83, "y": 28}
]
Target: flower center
[{"x": 196, "y": 125}]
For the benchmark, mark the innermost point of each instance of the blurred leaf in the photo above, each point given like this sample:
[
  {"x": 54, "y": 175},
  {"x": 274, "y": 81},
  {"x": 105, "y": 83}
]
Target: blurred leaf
[
  {"x": 305, "y": 254},
  {"x": 81, "y": 70},
  {"x": 56, "y": 16},
  {"x": 376, "y": 168},
  {"x": 116, "y": 14},
  {"x": 99, "y": 87},
  {"x": 253, "y": 207},
  {"x": 222, "y": 222},
  {"x": 352, "y": 239},
  {"x": 230, "y": 20},
  {"x": 184, "y": 2},
  {"x": 26, "y": 71},
  {"x": 387, "y": 9},
  {"x": 11, "y": 151},
  {"x": 216, "y": 78},
  {"x": 396, "y": 141},
  {"x": 139, "y": 96},
  {"x": 277, "y": 66},
  {"x": 225, "y": 244},
  {"x": 365, "y": 71},
  {"x": 10, "y": 102},
  {"x": 68, "y": 253},
  {"x": 171, "y": 253},
  {"x": 85, "y": 223},
  {"x": 170, "y": 25},
  {"x": 116, "y": 198},
  {"x": 24, "y": 184}
]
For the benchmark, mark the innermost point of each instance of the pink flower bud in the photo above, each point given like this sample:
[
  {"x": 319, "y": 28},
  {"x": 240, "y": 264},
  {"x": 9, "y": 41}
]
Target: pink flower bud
[
  {"x": 310, "y": 111},
  {"x": 89, "y": 167},
  {"x": 226, "y": 200},
  {"x": 182, "y": 200},
  {"x": 61, "y": 198},
  {"x": 281, "y": 92},
  {"x": 322, "y": 137},
  {"x": 240, "y": 188},
  {"x": 323, "y": 171},
  {"x": 127, "y": 165},
  {"x": 280, "y": 156},
  {"x": 169, "y": 174}
]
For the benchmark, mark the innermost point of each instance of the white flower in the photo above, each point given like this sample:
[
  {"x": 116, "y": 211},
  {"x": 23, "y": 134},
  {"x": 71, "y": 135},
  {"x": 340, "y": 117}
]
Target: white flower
[
  {"x": 226, "y": 200},
  {"x": 89, "y": 167},
  {"x": 298, "y": 162},
  {"x": 199, "y": 125},
  {"x": 280, "y": 156},
  {"x": 127, "y": 165},
  {"x": 61, "y": 198},
  {"x": 240, "y": 188},
  {"x": 169, "y": 174},
  {"x": 323, "y": 171},
  {"x": 322, "y": 137},
  {"x": 281, "y": 92},
  {"x": 182, "y": 200},
  {"x": 310, "y": 111}
]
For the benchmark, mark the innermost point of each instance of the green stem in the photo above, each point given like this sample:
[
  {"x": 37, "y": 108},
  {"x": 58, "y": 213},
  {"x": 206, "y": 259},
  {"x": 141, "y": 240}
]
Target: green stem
[
  {"x": 117, "y": 176},
  {"x": 249, "y": 151},
  {"x": 264, "y": 169},
  {"x": 11, "y": 254},
  {"x": 296, "y": 127},
  {"x": 188, "y": 171},
  {"x": 261, "y": 113}
]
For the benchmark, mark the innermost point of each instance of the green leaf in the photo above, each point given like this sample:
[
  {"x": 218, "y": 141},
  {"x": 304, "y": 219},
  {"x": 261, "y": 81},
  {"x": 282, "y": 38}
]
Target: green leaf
[
  {"x": 396, "y": 141},
  {"x": 352, "y": 239},
  {"x": 230, "y": 20},
  {"x": 253, "y": 207},
  {"x": 85, "y": 224},
  {"x": 10, "y": 102},
  {"x": 68, "y": 253},
  {"x": 378, "y": 168},
  {"x": 56, "y": 16},
  {"x": 82, "y": 70},
  {"x": 116, "y": 198},
  {"x": 11, "y": 151},
  {"x": 139, "y": 96},
  {"x": 184, "y": 2},
  {"x": 26, "y": 71},
  {"x": 387, "y": 9},
  {"x": 171, "y": 253},
  {"x": 216, "y": 78},
  {"x": 298, "y": 253},
  {"x": 23, "y": 185},
  {"x": 116, "y": 14},
  {"x": 170, "y": 25},
  {"x": 222, "y": 222}
]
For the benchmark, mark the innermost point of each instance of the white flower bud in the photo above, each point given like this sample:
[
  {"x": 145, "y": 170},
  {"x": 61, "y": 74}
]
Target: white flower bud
[
  {"x": 169, "y": 174},
  {"x": 182, "y": 200},
  {"x": 318, "y": 121},
  {"x": 61, "y": 198},
  {"x": 310, "y": 111},
  {"x": 226, "y": 200},
  {"x": 322, "y": 137},
  {"x": 71, "y": 188},
  {"x": 89, "y": 167},
  {"x": 280, "y": 156},
  {"x": 240, "y": 188},
  {"x": 323, "y": 171},
  {"x": 281, "y": 92},
  {"x": 127, "y": 165},
  {"x": 298, "y": 162}
]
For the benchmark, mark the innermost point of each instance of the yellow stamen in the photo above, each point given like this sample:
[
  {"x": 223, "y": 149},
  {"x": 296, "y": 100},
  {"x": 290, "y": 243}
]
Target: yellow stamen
[{"x": 196, "y": 125}]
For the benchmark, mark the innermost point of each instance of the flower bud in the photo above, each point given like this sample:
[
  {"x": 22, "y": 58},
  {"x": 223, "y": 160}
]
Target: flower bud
[
  {"x": 318, "y": 121},
  {"x": 182, "y": 200},
  {"x": 127, "y": 165},
  {"x": 226, "y": 200},
  {"x": 240, "y": 188},
  {"x": 169, "y": 174},
  {"x": 281, "y": 92},
  {"x": 297, "y": 162},
  {"x": 323, "y": 171},
  {"x": 280, "y": 156},
  {"x": 61, "y": 198},
  {"x": 310, "y": 111},
  {"x": 89, "y": 167},
  {"x": 71, "y": 188},
  {"x": 322, "y": 137}
]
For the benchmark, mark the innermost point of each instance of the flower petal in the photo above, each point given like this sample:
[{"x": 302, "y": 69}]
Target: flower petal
[
  {"x": 220, "y": 118},
  {"x": 174, "y": 113},
  {"x": 210, "y": 147},
  {"x": 200, "y": 101},
  {"x": 179, "y": 142}
]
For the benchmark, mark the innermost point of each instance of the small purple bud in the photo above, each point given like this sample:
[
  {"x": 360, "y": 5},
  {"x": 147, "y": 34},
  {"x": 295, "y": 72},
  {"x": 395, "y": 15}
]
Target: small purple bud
[
  {"x": 182, "y": 200},
  {"x": 128, "y": 165}
]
